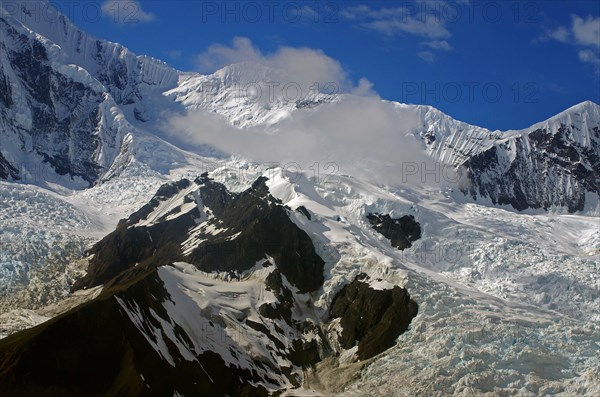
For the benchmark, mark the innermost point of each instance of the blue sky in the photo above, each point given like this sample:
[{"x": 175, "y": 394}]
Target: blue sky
[{"x": 497, "y": 64}]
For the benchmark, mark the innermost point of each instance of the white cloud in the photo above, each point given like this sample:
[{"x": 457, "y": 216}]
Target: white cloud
[
  {"x": 427, "y": 56},
  {"x": 364, "y": 88},
  {"x": 392, "y": 21},
  {"x": 305, "y": 66},
  {"x": 219, "y": 55},
  {"x": 405, "y": 20},
  {"x": 584, "y": 34},
  {"x": 363, "y": 136},
  {"x": 589, "y": 56},
  {"x": 587, "y": 31},
  {"x": 438, "y": 45},
  {"x": 355, "y": 12},
  {"x": 560, "y": 34},
  {"x": 126, "y": 11}
]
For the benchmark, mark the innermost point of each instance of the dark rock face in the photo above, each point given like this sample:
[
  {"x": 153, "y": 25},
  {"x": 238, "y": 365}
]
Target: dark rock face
[
  {"x": 402, "y": 232},
  {"x": 305, "y": 354},
  {"x": 5, "y": 89},
  {"x": 253, "y": 225},
  {"x": 64, "y": 113},
  {"x": 539, "y": 170},
  {"x": 265, "y": 228},
  {"x": 96, "y": 350},
  {"x": 429, "y": 137},
  {"x": 7, "y": 170},
  {"x": 371, "y": 318},
  {"x": 282, "y": 309},
  {"x": 124, "y": 324},
  {"x": 302, "y": 209},
  {"x": 311, "y": 103},
  {"x": 136, "y": 338}
]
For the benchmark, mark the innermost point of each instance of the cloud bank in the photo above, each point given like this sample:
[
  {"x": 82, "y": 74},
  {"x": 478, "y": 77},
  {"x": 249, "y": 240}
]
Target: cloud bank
[
  {"x": 305, "y": 66},
  {"x": 584, "y": 35},
  {"x": 405, "y": 20},
  {"x": 361, "y": 136}
]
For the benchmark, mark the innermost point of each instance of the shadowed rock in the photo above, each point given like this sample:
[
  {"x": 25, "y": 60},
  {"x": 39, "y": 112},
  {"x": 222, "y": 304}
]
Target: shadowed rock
[
  {"x": 253, "y": 223},
  {"x": 402, "y": 232},
  {"x": 371, "y": 318}
]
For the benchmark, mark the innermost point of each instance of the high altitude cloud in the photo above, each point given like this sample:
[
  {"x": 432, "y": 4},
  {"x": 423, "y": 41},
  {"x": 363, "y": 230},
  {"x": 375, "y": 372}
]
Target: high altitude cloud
[
  {"x": 391, "y": 21},
  {"x": 587, "y": 31},
  {"x": 427, "y": 56},
  {"x": 590, "y": 57},
  {"x": 438, "y": 45},
  {"x": 126, "y": 11},
  {"x": 584, "y": 34},
  {"x": 404, "y": 20},
  {"x": 305, "y": 66},
  {"x": 361, "y": 136}
]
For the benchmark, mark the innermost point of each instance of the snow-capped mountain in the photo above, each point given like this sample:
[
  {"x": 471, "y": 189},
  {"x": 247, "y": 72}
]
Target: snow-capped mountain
[
  {"x": 225, "y": 289},
  {"x": 247, "y": 94},
  {"x": 555, "y": 163},
  {"x": 167, "y": 280},
  {"x": 67, "y": 104},
  {"x": 53, "y": 113},
  {"x": 128, "y": 78},
  {"x": 80, "y": 105}
]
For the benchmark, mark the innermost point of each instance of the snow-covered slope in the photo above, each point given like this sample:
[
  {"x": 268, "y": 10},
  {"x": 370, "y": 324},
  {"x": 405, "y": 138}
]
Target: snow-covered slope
[
  {"x": 555, "y": 163},
  {"x": 41, "y": 235},
  {"x": 238, "y": 280},
  {"x": 449, "y": 141},
  {"x": 66, "y": 109},
  {"x": 507, "y": 300},
  {"x": 77, "y": 106},
  {"x": 129, "y": 78},
  {"x": 247, "y": 94},
  {"x": 56, "y": 119}
]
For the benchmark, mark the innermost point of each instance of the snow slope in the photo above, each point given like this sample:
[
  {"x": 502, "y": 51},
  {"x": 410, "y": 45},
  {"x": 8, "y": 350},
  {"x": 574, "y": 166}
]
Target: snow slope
[
  {"x": 127, "y": 100},
  {"x": 247, "y": 94},
  {"x": 42, "y": 231},
  {"x": 507, "y": 300},
  {"x": 208, "y": 307},
  {"x": 553, "y": 164}
]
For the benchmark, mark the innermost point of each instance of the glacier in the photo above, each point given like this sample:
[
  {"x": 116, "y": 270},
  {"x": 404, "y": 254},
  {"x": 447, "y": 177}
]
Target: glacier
[{"x": 506, "y": 272}]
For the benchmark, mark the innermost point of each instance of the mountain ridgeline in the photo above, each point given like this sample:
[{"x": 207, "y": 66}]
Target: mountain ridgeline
[
  {"x": 554, "y": 164},
  {"x": 223, "y": 285},
  {"x": 212, "y": 229},
  {"x": 205, "y": 292},
  {"x": 82, "y": 110}
]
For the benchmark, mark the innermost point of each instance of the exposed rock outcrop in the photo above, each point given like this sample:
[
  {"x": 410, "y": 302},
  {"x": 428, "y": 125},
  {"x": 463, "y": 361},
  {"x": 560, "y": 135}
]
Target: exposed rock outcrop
[
  {"x": 402, "y": 232},
  {"x": 372, "y": 318}
]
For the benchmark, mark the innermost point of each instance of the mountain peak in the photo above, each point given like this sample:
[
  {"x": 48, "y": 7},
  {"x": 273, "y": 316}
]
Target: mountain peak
[
  {"x": 248, "y": 72},
  {"x": 584, "y": 116},
  {"x": 588, "y": 106}
]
